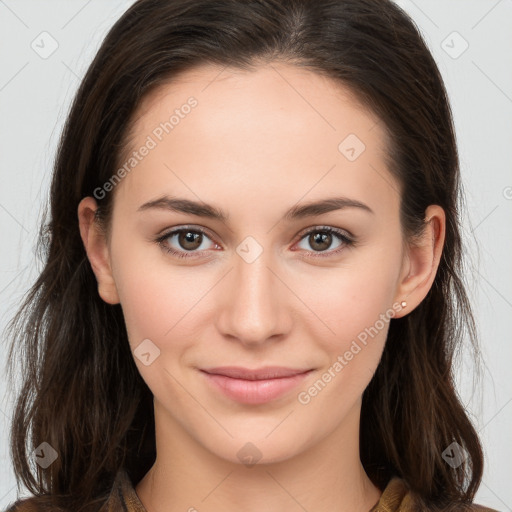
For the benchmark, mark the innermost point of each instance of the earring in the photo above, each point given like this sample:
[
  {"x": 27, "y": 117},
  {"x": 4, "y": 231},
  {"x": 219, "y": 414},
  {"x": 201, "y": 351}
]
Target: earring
[{"x": 403, "y": 303}]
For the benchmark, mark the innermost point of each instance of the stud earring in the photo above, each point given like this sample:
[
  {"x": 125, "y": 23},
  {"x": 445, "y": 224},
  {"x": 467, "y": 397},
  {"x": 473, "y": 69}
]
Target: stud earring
[{"x": 403, "y": 303}]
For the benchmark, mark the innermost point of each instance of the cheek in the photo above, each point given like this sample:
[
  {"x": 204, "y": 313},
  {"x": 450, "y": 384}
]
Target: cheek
[
  {"x": 349, "y": 299},
  {"x": 354, "y": 303},
  {"x": 359, "y": 312},
  {"x": 153, "y": 296},
  {"x": 157, "y": 304}
]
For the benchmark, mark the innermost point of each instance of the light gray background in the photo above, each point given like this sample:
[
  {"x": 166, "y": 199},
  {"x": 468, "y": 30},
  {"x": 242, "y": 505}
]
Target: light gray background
[{"x": 35, "y": 95}]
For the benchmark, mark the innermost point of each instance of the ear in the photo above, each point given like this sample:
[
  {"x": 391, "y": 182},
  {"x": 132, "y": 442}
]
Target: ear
[
  {"x": 96, "y": 247},
  {"x": 421, "y": 261}
]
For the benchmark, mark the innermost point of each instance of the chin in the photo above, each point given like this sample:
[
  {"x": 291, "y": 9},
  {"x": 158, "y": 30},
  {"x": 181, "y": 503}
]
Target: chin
[{"x": 248, "y": 450}]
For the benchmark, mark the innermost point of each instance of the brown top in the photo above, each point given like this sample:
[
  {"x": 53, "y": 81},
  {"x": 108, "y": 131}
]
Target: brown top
[{"x": 123, "y": 498}]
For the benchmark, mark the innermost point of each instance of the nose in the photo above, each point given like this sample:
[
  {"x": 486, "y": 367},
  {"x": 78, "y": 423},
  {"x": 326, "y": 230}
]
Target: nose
[{"x": 253, "y": 303}]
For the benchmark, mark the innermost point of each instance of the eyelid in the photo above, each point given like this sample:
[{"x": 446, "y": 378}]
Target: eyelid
[
  {"x": 167, "y": 232},
  {"x": 319, "y": 227}
]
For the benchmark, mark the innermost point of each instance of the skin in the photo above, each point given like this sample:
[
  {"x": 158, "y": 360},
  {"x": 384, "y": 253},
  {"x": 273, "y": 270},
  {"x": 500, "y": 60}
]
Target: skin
[{"x": 258, "y": 143}]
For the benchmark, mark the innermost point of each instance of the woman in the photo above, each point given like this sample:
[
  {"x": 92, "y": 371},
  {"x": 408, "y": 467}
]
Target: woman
[{"x": 259, "y": 302}]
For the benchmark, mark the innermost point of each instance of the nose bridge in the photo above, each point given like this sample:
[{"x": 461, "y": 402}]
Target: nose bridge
[{"x": 253, "y": 309}]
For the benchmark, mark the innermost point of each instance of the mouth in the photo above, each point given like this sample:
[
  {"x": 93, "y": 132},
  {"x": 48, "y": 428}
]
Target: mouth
[{"x": 256, "y": 386}]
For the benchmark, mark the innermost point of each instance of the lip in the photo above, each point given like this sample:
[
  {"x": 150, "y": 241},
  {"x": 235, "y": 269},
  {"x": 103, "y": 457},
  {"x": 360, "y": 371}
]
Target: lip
[{"x": 254, "y": 386}]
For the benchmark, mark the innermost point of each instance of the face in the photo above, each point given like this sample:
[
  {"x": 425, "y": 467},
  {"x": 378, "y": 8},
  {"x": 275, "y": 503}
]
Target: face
[{"x": 269, "y": 284}]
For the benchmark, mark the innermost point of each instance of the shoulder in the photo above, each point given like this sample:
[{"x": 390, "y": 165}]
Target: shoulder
[
  {"x": 122, "y": 496},
  {"x": 397, "y": 497}
]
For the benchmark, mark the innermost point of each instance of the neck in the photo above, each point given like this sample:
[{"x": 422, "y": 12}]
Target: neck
[{"x": 188, "y": 477}]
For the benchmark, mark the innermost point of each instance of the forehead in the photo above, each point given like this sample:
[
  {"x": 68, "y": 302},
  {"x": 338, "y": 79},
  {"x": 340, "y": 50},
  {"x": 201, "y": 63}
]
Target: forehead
[
  {"x": 277, "y": 128},
  {"x": 309, "y": 101}
]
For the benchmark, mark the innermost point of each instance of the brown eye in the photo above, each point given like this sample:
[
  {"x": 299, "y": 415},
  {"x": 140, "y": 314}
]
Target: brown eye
[
  {"x": 320, "y": 241},
  {"x": 190, "y": 240},
  {"x": 185, "y": 242}
]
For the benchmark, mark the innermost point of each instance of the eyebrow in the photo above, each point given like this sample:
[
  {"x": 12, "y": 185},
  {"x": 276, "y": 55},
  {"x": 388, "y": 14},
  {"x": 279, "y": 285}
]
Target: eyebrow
[{"x": 300, "y": 211}]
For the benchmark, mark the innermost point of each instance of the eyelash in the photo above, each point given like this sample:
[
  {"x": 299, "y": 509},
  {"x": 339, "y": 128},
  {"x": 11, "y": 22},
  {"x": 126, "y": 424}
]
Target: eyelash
[{"x": 347, "y": 241}]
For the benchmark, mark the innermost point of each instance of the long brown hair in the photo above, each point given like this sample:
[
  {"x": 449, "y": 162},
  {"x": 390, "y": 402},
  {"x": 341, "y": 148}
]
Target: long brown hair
[{"x": 81, "y": 391}]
